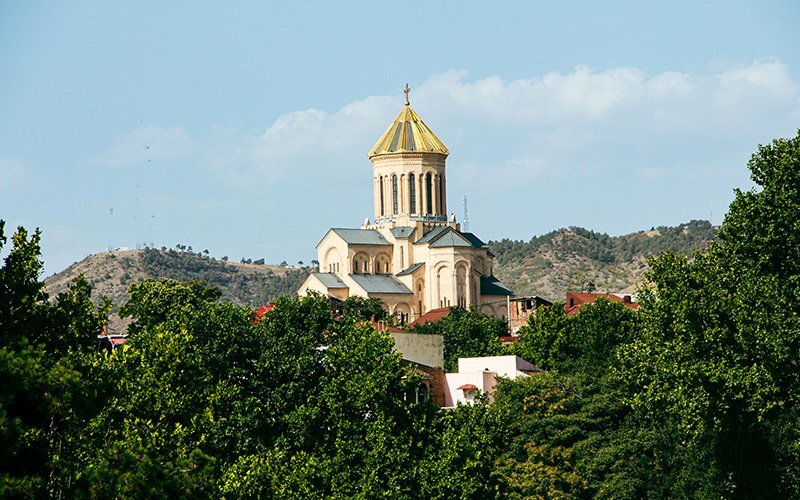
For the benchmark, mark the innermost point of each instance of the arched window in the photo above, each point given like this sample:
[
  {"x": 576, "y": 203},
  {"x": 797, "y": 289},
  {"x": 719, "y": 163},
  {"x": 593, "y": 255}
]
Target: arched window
[
  {"x": 360, "y": 263},
  {"x": 381, "y": 188},
  {"x": 441, "y": 193},
  {"x": 412, "y": 190},
  {"x": 428, "y": 195},
  {"x": 381, "y": 264},
  {"x": 394, "y": 194}
]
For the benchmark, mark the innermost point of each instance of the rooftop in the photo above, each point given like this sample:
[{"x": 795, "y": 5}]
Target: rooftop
[
  {"x": 432, "y": 316},
  {"x": 408, "y": 134},
  {"x": 330, "y": 280},
  {"x": 492, "y": 286},
  {"x": 410, "y": 269},
  {"x": 361, "y": 236},
  {"x": 379, "y": 283},
  {"x": 576, "y": 300}
]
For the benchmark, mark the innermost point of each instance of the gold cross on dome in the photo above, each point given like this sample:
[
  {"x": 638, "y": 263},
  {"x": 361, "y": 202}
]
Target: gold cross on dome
[{"x": 407, "y": 90}]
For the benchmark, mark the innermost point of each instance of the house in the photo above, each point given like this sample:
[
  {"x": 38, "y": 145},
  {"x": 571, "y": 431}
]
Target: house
[
  {"x": 481, "y": 375},
  {"x": 576, "y": 300},
  {"x": 520, "y": 308}
]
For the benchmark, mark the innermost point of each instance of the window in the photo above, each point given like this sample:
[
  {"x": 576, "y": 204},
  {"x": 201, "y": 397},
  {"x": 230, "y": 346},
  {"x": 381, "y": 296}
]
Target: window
[
  {"x": 441, "y": 192},
  {"x": 428, "y": 195},
  {"x": 412, "y": 190},
  {"x": 394, "y": 194},
  {"x": 381, "y": 188}
]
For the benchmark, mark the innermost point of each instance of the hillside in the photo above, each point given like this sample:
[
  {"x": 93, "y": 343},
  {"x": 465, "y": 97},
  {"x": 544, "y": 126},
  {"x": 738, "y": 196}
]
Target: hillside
[
  {"x": 110, "y": 273},
  {"x": 576, "y": 259},
  {"x": 570, "y": 259}
]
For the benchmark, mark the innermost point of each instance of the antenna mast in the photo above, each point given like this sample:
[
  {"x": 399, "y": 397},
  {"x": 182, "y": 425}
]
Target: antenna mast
[{"x": 465, "y": 223}]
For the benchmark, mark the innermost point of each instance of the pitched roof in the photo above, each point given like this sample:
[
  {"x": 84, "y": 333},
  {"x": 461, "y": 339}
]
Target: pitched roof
[
  {"x": 476, "y": 242},
  {"x": 361, "y": 236},
  {"x": 433, "y": 233},
  {"x": 450, "y": 238},
  {"x": 379, "y": 283},
  {"x": 408, "y": 134},
  {"x": 402, "y": 231},
  {"x": 576, "y": 300},
  {"x": 492, "y": 286},
  {"x": 330, "y": 280},
  {"x": 432, "y": 316},
  {"x": 467, "y": 387},
  {"x": 410, "y": 269},
  {"x": 262, "y": 311}
]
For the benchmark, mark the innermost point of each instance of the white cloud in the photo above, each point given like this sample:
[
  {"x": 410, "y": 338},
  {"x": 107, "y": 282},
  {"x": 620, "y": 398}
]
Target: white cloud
[
  {"x": 580, "y": 129},
  {"x": 149, "y": 144}
]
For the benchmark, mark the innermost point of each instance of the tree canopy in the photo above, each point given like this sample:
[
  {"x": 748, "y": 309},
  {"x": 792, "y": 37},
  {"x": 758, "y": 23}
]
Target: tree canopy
[{"x": 696, "y": 394}]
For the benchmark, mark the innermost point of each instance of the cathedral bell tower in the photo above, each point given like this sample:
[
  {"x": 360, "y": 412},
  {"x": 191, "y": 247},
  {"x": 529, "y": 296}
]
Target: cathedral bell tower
[{"x": 408, "y": 165}]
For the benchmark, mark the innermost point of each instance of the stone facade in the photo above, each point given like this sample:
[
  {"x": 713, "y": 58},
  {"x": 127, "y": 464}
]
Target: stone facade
[{"x": 412, "y": 256}]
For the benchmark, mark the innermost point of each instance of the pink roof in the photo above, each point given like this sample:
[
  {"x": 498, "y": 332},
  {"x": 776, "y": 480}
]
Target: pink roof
[{"x": 468, "y": 387}]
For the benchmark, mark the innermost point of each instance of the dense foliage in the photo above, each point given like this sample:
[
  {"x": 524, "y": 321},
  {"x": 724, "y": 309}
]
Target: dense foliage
[
  {"x": 601, "y": 247},
  {"x": 237, "y": 286},
  {"x": 466, "y": 333},
  {"x": 696, "y": 394}
]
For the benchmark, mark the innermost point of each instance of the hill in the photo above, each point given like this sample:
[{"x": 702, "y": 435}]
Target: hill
[
  {"x": 576, "y": 259},
  {"x": 110, "y": 273},
  {"x": 570, "y": 259}
]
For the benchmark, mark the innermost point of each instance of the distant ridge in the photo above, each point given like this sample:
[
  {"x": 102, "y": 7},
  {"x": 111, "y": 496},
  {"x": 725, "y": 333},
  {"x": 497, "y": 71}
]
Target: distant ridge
[
  {"x": 571, "y": 259},
  {"x": 577, "y": 259},
  {"x": 110, "y": 274}
]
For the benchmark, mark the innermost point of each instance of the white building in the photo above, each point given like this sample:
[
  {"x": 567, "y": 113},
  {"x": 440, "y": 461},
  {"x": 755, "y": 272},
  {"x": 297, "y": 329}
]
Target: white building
[{"x": 480, "y": 375}]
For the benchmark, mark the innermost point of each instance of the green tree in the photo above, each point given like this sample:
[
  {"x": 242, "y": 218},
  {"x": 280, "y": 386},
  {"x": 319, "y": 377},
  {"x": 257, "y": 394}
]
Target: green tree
[
  {"x": 467, "y": 333},
  {"x": 463, "y": 446},
  {"x": 586, "y": 342},
  {"x": 45, "y": 350},
  {"x": 366, "y": 308},
  {"x": 715, "y": 366},
  {"x": 153, "y": 302}
]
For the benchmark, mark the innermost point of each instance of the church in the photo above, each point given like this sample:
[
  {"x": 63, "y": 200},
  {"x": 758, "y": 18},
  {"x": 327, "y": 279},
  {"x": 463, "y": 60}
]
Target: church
[{"x": 411, "y": 255}]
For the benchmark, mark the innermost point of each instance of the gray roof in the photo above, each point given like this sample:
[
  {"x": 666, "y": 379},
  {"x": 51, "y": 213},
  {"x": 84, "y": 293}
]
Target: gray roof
[
  {"x": 431, "y": 235},
  {"x": 492, "y": 286},
  {"x": 448, "y": 237},
  {"x": 402, "y": 231},
  {"x": 451, "y": 238},
  {"x": 361, "y": 236},
  {"x": 379, "y": 283},
  {"x": 476, "y": 242},
  {"x": 330, "y": 280},
  {"x": 411, "y": 269}
]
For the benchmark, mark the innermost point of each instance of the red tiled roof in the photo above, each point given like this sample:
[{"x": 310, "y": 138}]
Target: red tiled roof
[
  {"x": 508, "y": 339},
  {"x": 117, "y": 341},
  {"x": 432, "y": 316},
  {"x": 576, "y": 300},
  {"x": 467, "y": 387},
  {"x": 261, "y": 311}
]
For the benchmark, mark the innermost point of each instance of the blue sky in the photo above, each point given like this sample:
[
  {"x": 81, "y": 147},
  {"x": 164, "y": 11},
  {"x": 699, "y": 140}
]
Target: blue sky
[{"x": 243, "y": 127}]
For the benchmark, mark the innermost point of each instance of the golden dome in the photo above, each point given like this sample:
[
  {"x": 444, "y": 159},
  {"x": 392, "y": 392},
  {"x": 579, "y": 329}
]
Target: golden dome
[{"x": 408, "y": 134}]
